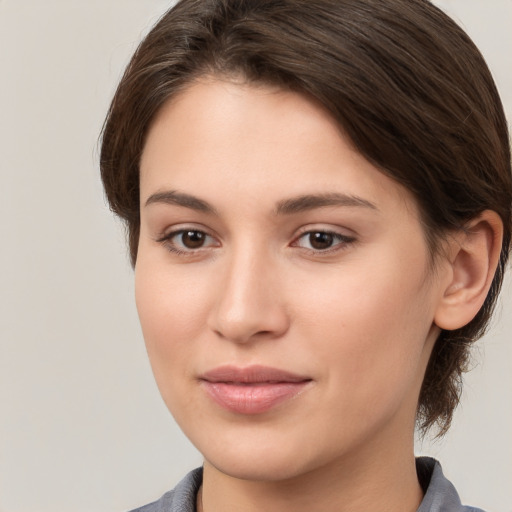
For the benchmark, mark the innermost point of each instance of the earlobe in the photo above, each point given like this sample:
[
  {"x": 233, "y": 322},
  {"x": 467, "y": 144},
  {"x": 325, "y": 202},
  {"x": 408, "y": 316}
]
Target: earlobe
[{"x": 473, "y": 258}]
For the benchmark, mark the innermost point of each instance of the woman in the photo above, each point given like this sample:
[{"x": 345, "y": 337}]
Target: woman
[{"x": 318, "y": 197}]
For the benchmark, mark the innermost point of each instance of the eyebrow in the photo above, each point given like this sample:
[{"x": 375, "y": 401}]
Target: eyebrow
[
  {"x": 312, "y": 201},
  {"x": 286, "y": 207},
  {"x": 180, "y": 199}
]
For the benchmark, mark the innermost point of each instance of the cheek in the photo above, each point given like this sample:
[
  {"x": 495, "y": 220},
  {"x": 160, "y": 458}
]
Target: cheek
[
  {"x": 370, "y": 329},
  {"x": 172, "y": 313}
]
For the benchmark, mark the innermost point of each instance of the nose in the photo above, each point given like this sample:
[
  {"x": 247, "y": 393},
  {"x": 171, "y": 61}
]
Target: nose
[{"x": 250, "y": 300}]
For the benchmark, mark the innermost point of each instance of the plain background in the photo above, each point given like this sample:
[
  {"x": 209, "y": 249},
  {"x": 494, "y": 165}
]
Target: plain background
[{"x": 82, "y": 427}]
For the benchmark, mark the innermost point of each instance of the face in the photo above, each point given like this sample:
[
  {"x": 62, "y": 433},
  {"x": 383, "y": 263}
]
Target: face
[{"x": 282, "y": 284}]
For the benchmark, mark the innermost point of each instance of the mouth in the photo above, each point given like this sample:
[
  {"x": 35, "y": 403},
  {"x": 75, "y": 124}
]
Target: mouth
[{"x": 252, "y": 390}]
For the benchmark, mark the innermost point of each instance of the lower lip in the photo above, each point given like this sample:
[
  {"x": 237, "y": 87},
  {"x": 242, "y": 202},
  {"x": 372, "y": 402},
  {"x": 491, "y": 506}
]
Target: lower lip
[{"x": 253, "y": 398}]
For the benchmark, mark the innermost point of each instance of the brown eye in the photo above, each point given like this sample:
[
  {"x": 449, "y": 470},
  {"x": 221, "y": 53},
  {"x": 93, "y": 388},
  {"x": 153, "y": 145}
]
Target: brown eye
[
  {"x": 188, "y": 242},
  {"x": 193, "y": 239},
  {"x": 320, "y": 240},
  {"x": 323, "y": 241}
]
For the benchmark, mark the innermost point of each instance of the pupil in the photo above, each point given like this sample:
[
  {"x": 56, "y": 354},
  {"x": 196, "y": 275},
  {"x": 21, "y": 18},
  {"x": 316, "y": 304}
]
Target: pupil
[
  {"x": 192, "y": 239},
  {"x": 320, "y": 240}
]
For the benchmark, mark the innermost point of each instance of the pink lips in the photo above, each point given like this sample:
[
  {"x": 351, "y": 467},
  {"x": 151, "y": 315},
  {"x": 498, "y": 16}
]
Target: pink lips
[{"x": 251, "y": 390}]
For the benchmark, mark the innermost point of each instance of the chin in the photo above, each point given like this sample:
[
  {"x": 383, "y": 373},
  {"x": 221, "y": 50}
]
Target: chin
[
  {"x": 259, "y": 469},
  {"x": 268, "y": 456}
]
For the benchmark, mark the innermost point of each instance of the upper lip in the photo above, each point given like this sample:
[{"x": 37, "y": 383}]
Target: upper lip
[{"x": 251, "y": 374}]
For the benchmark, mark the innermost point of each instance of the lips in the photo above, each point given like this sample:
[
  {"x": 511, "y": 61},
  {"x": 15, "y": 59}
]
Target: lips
[{"x": 252, "y": 390}]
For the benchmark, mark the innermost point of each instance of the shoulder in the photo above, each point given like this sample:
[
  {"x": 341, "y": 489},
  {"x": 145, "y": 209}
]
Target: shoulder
[
  {"x": 181, "y": 499},
  {"x": 440, "y": 494}
]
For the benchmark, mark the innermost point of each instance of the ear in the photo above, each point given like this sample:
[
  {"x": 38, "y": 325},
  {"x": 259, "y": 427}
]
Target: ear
[{"x": 473, "y": 255}]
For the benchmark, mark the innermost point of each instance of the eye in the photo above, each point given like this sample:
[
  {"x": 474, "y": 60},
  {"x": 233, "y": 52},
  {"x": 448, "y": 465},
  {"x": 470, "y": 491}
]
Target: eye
[
  {"x": 187, "y": 241},
  {"x": 192, "y": 239},
  {"x": 322, "y": 241}
]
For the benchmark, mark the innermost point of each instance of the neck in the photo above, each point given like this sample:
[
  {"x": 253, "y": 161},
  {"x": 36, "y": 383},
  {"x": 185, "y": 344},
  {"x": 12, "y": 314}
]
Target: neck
[{"x": 377, "y": 481}]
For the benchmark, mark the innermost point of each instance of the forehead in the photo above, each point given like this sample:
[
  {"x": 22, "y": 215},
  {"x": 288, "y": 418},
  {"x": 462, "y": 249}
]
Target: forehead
[
  {"x": 214, "y": 108},
  {"x": 255, "y": 140}
]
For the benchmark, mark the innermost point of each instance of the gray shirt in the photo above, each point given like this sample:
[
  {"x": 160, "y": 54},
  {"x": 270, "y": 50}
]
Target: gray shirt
[{"x": 440, "y": 494}]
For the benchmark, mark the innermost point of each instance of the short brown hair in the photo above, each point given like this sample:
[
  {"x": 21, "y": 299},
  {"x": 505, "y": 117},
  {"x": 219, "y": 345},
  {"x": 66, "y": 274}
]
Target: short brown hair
[{"x": 403, "y": 80}]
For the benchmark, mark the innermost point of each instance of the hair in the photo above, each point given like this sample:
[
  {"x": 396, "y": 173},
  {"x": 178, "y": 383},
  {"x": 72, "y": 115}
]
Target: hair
[{"x": 403, "y": 80}]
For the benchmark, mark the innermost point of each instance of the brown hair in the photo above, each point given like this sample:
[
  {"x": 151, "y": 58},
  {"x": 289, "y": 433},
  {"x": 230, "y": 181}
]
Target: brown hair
[{"x": 403, "y": 80}]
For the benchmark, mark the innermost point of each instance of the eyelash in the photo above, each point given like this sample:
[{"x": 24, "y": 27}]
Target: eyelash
[
  {"x": 343, "y": 241},
  {"x": 168, "y": 241}
]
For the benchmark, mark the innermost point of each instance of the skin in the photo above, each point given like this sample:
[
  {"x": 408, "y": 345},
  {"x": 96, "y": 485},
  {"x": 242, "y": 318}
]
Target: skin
[{"x": 358, "y": 318}]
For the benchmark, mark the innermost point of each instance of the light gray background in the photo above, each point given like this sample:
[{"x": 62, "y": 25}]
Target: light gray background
[{"x": 82, "y": 427}]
